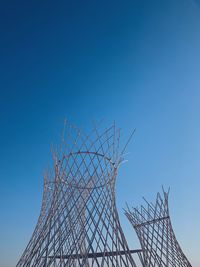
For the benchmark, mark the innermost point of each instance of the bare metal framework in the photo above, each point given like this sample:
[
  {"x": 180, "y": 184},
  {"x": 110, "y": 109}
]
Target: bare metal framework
[
  {"x": 154, "y": 229},
  {"x": 79, "y": 224}
]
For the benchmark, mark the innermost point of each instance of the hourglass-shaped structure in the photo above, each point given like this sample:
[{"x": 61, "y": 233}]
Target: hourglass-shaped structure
[
  {"x": 79, "y": 224},
  {"x": 153, "y": 227}
]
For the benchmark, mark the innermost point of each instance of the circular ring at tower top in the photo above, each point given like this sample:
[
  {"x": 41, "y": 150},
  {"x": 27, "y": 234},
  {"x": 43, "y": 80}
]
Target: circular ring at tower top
[{"x": 86, "y": 170}]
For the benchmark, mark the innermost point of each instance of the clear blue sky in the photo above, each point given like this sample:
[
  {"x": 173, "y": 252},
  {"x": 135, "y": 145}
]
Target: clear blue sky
[{"x": 136, "y": 62}]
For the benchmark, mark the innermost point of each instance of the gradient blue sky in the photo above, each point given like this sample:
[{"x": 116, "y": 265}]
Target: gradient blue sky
[{"x": 135, "y": 62}]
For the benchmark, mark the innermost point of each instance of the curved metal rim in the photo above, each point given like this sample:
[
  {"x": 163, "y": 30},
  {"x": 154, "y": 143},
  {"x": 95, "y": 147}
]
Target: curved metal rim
[{"x": 94, "y": 153}]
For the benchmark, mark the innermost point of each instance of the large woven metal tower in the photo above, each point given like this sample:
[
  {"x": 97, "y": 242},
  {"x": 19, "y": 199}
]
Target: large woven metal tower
[
  {"x": 79, "y": 223},
  {"x": 154, "y": 229}
]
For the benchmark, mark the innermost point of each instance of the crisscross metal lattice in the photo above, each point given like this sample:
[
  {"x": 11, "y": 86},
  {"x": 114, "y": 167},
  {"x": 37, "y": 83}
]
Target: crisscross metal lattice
[
  {"x": 79, "y": 223},
  {"x": 154, "y": 229}
]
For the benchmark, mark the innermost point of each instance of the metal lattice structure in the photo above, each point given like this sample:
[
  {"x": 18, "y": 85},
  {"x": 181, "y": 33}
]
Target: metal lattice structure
[
  {"x": 154, "y": 229},
  {"x": 79, "y": 225}
]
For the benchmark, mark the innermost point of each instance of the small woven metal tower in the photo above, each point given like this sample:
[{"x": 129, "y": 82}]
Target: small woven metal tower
[
  {"x": 79, "y": 224},
  {"x": 154, "y": 229}
]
